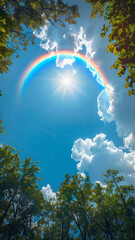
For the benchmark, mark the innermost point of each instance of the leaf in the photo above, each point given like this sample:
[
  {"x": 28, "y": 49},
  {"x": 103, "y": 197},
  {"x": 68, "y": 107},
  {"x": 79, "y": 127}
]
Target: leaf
[
  {"x": 126, "y": 85},
  {"x": 120, "y": 31},
  {"x": 114, "y": 51}
]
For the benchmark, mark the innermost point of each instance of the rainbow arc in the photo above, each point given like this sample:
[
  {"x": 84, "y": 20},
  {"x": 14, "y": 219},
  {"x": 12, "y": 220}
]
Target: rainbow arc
[{"x": 65, "y": 53}]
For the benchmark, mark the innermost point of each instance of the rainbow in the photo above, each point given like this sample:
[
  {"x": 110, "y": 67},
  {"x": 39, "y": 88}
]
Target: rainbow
[{"x": 49, "y": 55}]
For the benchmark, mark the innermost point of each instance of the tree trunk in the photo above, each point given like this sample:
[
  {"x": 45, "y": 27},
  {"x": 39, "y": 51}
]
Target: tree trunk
[{"x": 7, "y": 208}]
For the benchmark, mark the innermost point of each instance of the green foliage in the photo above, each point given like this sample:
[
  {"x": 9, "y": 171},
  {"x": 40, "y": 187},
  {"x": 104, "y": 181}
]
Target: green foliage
[
  {"x": 19, "y": 18},
  {"x": 81, "y": 210},
  {"x": 120, "y": 18},
  {"x": 21, "y": 202},
  {"x": 97, "y": 7},
  {"x": 74, "y": 194},
  {"x": 85, "y": 211},
  {"x": 1, "y": 125}
]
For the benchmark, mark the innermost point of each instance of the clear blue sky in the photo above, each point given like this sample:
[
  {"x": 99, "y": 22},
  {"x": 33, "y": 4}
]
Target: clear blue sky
[{"x": 48, "y": 125}]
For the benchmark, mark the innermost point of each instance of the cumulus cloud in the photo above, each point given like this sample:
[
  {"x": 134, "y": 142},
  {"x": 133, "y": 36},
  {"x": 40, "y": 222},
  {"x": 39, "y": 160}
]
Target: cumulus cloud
[
  {"x": 105, "y": 106},
  {"x": 129, "y": 141},
  {"x": 121, "y": 110},
  {"x": 124, "y": 112},
  {"x": 97, "y": 155},
  {"x": 47, "y": 192}
]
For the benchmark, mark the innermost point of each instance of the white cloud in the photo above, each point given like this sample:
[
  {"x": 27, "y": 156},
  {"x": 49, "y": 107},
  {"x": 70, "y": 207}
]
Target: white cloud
[
  {"x": 105, "y": 106},
  {"x": 121, "y": 109},
  {"x": 82, "y": 175},
  {"x": 73, "y": 41},
  {"x": 62, "y": 62},
  {"x": 97, "y": 155},
  {"x": 95, "y": 74},
  {"x": 80, "y": 41},
  {"x": 64, "y": 36},
  {"x": 124, "y": 113},
  {"x": 129, "y": 141},
  {"x": 45, "y": 42},
  {"x": 47, "y": 192},
  {"x": 77, "y": 40},
  {"x": 101, "y": 184}
]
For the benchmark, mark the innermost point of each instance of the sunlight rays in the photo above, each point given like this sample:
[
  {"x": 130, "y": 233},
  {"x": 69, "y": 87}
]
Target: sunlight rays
[{"x": 68, "y": 82}]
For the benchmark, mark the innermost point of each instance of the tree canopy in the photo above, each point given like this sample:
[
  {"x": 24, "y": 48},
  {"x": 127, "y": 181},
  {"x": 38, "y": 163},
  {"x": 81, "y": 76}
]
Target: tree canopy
[
  {"x": 80, "y": 210},
  {"x": 19, "y": 18},
  {"x": 120, "y": 27},
  {"x": 94, "y": 211},
  {"x": 1, "y": 125},
  {"x": 21, "y": 201}
]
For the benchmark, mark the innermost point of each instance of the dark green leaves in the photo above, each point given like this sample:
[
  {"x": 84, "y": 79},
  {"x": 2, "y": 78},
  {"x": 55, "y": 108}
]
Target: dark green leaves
[
  {"x": 120, "y": 19},
  {"x": 21, "y": 202}
]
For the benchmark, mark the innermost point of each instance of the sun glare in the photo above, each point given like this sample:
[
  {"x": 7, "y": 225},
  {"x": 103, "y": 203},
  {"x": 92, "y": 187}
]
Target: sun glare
[{"x": 67, "y": 81}]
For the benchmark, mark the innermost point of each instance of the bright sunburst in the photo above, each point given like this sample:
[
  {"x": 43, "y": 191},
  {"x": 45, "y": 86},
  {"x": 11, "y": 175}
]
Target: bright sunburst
[{"x": 68, "y": 82}]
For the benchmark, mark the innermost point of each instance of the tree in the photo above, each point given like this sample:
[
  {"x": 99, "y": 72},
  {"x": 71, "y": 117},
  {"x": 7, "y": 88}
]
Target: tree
[
  {"x": 103, "y": 212},
  {"x": 114, "y": 207},
  {"x": 2, "y": 128},
  {"x": 81, "y": 210},
  {"x": 75, "y": 194},
  {"x": 123, "y": 200},
  {"x": 19, "y": 18},
  {"x": 21, "y": 201},
  {"x": 56, "y": 222},
  {"x": 120, "y": 18},
  {"x": 1, "y": 125}
]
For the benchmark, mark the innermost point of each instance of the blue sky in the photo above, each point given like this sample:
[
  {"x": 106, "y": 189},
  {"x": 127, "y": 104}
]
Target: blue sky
[{"x": 75, "y": 131}]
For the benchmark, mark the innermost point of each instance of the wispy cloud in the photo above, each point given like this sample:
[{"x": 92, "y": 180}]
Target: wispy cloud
[
  {"x": 45, "y": 41},
  {"x": 80, "y": 41},
  {"x": 62, "y": 62}
]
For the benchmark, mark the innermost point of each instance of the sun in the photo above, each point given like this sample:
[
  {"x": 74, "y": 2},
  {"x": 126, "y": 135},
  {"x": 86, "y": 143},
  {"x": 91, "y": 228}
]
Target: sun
[{"x": 67, "y": 81}]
